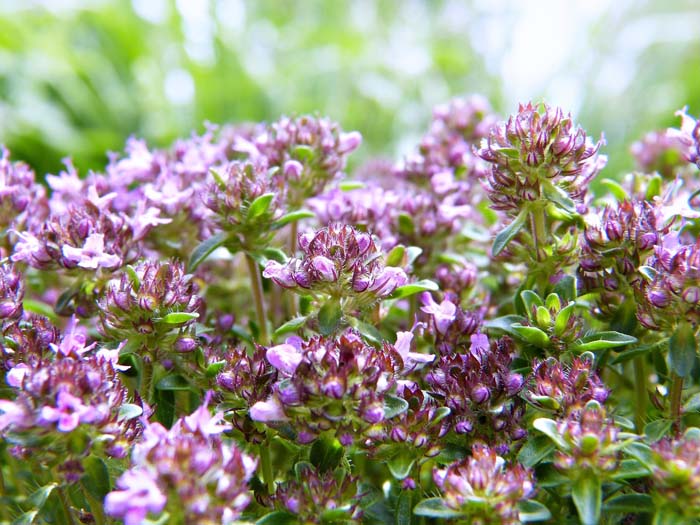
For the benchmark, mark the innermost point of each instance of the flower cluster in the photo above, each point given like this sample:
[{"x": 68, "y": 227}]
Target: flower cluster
[
  {"x": 341, "y": 262},
  {"x": 673, "y": 293},
  {"x": 481, "y": 391},
  {"x": 539, "y": 154},
  {"x": 71, "y": 397},
  {"x": 189, "y": 471},
  {"x": 482, "y": 489},
  {"x": 564, "y": 389},
  {"x": 11, "y": 292},
  {"x": 320, "y": 497},
  {"x": 244, "y": 205},
  {"x": 327, "y": 383},
  {"x": 149, "y": 302},
  {"x": 676, "y": 475},
  {"x": 588, "y": 442},
  {"x": 448, "y": 323}
]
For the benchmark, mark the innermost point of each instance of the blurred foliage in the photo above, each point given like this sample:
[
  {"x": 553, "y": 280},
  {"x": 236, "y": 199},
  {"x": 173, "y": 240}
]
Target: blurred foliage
[{"x": 78, "y": 79}]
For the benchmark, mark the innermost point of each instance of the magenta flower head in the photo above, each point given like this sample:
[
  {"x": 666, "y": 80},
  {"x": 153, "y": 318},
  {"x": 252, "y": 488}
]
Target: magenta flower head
[
  {"x": 331, "y": 384},
  {"x": 245, "y": 204},
  {"x": 311, "y": 494},
  {"x": 341, "y": 262},
  {"x": 539, "y": 154},
  {"x": 562, "y": 389},
  {"x": 149, "y": 301},
  {"x": 22, "y": 201},
  {"x": 676, "y": 475},
  {"x": 11, "y": 292},
  {"x": 309, "y": 151},
  {"x": 670, "y": 151},
  {"x": 189, "y": 470},
  {"x": 483, "y": 489},
  {"x": 481, "y": 391}
]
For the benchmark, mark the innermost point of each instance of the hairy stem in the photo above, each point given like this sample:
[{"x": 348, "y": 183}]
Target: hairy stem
[
  {"x": 256, "y": 286},
  {"x": 292, "y": 308},
  {"x": 640, "y": 390},
  {"x": 146, "y": 385},
  {"x": 676, "y": 396},
  {"x": 539, "y": 231},
  {"x": 267, "y": 466},
  {"x": 65, "y": 504}
]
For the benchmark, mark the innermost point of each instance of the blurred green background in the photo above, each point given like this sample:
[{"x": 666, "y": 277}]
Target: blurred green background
[{"x": 78, "y": 77}]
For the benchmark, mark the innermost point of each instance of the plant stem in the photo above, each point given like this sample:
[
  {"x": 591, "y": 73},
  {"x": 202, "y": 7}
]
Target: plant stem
[
  {"x": 256, "y": 285},
  {"x": 640, "y": 390},
  {"x": 147, "y": 378},
  {"x": 267, "y": 466},
  {"x": 95, "y": 507},
  {"x": 539, "y": 231},
  {"x": 676, "y": 396},
  {"x": 65, "y": 503},
  {"x": 293, "y": 311}
]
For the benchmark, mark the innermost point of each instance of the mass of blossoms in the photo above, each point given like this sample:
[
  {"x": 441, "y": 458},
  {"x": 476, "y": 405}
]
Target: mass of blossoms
[{"x": 493, "y": 330}]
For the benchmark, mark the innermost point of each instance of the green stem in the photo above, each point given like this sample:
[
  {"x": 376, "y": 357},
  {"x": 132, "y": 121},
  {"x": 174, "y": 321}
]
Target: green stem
[
  {"x": 293, "y": 310},
  {"x": 256, "y": 285},
  {"x": 539, "y": 231},
  {"x": 65, "y": 504},
  {"x": 676, "y": 397},
  {"x": 267, "y": 466},
  {"x": 147, "y": 378},
  {"x": 640, "y": 390},
  {"x": 95, "y": 507}
]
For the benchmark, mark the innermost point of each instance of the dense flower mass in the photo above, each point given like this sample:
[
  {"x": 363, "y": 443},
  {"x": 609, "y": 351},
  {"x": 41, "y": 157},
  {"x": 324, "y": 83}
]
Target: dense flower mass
[{"x": 234, "y": 330}]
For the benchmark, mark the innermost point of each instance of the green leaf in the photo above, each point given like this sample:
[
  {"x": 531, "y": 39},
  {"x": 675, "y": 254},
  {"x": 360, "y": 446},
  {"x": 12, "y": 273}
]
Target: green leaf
[
  {"x": 368, "y": 331},
  {"x": 401, "y": 464},
  {"x": 535, "y": 450},
  {"x": 648, "y": 273},
  {"x": 631, "y": 469},
  {"x": 291, "y": 326},
  {"x": 96, "y": 477},
  {"x": 129, "y": 411},
  {"x": 179, "y": 317},
  {"x": 530, "y": 300},
  {"x": 531, "y": 510},
  {"x": 559, "y": 197},
  {"x": 303, "y": 153},
  {"x": 214, "y": 368},
  {"x": 413, "y": 288},
  {"x": 329, "y": 317},
  {"x": 204, "y": 250},
  {"x": 682, "y": 349},
  {"x": 509, "y": 232},
  {"x": 566, "y": 289},
  {"x": 641, "y": 452},
  {"x": 630, "y": 353},
  {"x": 412, "y": 253},
  {"x": 549, "y": 428},
  {"x": 173, "y": 382},
  {"x": 435, "y": 508},
  {"x": 218, "y": 179},
  {"x": 587, "y": 494},
  {"x": 602, "y": 341},
  {"x": 504, "y": 323},
  {"x": 561, "y": 321},
  {"x": 278, "y": 517},
  {"x": 133, "y": 277},
  {"x": 692, "y": 404},
  {"x": 274, "y": 254},
  {"x": 531, "y": 335},
  {"x": 349, "y": 185},
  {"x": 653, "y": 187},
  {"x": 40, "y": 308},
  {"x": 292, "y": 216},
  {"x": 395, "y": 256},
  {"x": 326, "y": 453},
  {"x": 404, "y": 507},
  {"x": 629, "y": 503},
  {"x": 394, "y": 406},
  {"x": 406, "y": 226},
  {"x": 615, "y": 189},
  {"x": 259, "y": 206},
  {"x": 657, "y": 429}
]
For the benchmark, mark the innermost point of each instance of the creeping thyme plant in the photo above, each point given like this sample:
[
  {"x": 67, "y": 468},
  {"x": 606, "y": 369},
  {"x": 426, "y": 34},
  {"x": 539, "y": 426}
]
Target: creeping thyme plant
[{"x": 237, "y": 330}]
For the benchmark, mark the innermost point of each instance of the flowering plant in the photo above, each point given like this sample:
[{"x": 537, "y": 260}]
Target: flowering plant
[{"x": 234, "y": 330}]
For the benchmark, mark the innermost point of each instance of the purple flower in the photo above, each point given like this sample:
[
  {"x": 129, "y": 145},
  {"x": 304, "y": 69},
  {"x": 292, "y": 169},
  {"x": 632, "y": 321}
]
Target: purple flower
[
  {"x": 269, "y": 411},
  {"x": 285, "y": 358},
  {"x": 138, "y": 496},
  {"x": 443, "y": 314}
]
